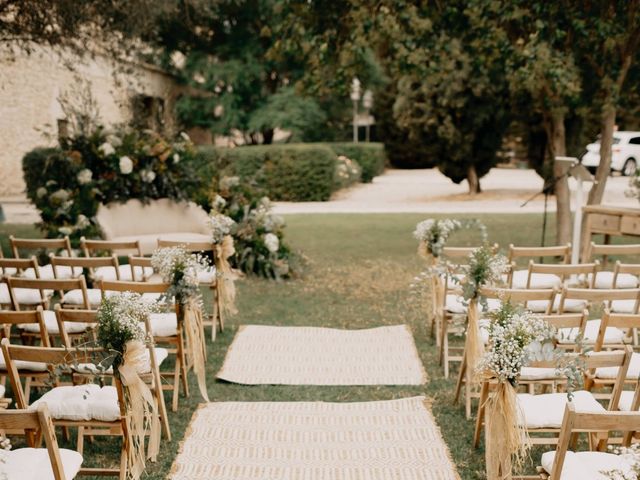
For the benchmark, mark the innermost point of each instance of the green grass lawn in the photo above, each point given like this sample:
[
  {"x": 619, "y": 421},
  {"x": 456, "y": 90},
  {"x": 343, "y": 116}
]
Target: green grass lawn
[{"x": 359, "y": 268}]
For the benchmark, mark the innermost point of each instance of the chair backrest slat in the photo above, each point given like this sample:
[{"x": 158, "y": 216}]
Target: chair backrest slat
[
  {"x": 137, "y": 287},
  {"x": 91, "y": 247}
]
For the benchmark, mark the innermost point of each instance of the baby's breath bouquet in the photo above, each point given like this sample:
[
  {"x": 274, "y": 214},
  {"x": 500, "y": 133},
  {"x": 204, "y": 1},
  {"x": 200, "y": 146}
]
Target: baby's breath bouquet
[
  {"x": 631, "y": 456},
  {"x": 120, "y": 320},
  {"x": 511, "y": 331},
  {"x": 120, "y": 332},
  {"x": 221, "y": 226},
  {"x": 179, "y": 268},
  {"x": 485, "y": 268},
  {"x": 433, "y": 233}
]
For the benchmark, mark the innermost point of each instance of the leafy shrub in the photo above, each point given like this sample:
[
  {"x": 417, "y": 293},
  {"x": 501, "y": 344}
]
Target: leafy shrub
[
  {"x": 370, "y": 156},
  {"x": 347, "y": 173},
  {"x": 291, "y": 172},
  {"x": 68, "y": 183}
]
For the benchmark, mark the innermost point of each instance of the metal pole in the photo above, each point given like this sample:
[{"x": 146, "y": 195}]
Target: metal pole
[
  {"x": 355, "y": 121},
  {"x": 577, "y": 224}
]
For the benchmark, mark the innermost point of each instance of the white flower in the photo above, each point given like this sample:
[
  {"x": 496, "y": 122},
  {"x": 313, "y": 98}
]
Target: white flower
[
  {"x": 59, "y": 196},
  {"x": 41, "y": 192},
  {"x": 126, "y": 165},
  {"x": 147, "y": 175},
  {"x": 219, "y": 203},
  {"x": 176, "y": 158},
  {"x": 82, "y": 222},
  {"x": 272, "y": 242},
  {"x": 179, "y": 268},
  {"x": 185, "y": 137},
  {"x": 65, "y": 230},
  {"x": 218, "y": 111},
  {"x": 114, "y": 140},
  {"x": 106, "y": 149},
  {"x": 199, "y": 78},
  {"x": 220, "y": 226},
  {"x": 84, "y": 176},
  {"x": 178, "y": 59}
]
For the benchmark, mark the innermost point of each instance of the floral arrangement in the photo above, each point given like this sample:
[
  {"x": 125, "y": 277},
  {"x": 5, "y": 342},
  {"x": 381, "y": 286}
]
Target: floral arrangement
[
  {"x": 347, "y": 172},
  {"x": 120, "y": 319},
  {"x": 485, "y": 268},
  {"x": 516, "y": 337},
  {"x": 433, "y": 233},
  {"x": 220, "y": 225},
  {"x": 179, "y": 268},
  {"x": 631, "y": 455},
  {"x": 69, "y": 182},
  {"x": 258, "y": 233}
]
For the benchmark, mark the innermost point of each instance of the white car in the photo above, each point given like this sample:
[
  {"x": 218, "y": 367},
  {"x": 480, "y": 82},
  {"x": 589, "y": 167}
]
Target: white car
[{"x": 625, "y": 153}]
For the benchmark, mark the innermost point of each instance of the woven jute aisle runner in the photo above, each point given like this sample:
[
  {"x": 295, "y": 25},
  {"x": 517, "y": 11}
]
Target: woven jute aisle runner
[
  {"x": 382, "y": 440},
  {"x": 323, "y": 356}
]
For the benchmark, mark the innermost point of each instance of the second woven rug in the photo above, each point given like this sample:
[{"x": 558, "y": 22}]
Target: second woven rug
[{"x": 323, "y": 356}]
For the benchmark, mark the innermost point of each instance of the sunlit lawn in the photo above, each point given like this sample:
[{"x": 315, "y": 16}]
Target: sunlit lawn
[{"x": 359, "y": 268}]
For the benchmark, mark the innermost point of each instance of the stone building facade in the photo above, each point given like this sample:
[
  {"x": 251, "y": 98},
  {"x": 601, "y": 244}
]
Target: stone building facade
[{"x": 32, "y": 86}]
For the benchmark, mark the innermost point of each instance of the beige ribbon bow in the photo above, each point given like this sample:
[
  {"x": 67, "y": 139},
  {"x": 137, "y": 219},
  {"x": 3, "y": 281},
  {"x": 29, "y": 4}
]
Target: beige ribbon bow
[
  {"x": 194, "y": 330},
  {"x": 141, "y": 409},
  {"x": 225, "y": 283}
]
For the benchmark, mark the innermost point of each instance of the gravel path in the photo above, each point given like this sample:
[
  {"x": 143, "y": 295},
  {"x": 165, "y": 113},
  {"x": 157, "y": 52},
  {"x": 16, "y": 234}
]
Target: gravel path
[{"x": 428, "y": 191}]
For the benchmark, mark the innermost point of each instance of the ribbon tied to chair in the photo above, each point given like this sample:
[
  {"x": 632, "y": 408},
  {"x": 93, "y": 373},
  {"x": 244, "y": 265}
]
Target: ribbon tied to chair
[
  {"x": 191, "y": 316},
  {"x": 225, "y": 282},
  {"x": 141, "y": 416}
]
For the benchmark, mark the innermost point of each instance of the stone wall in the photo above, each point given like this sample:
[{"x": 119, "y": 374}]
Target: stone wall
[{"x": 30, "y": 88}]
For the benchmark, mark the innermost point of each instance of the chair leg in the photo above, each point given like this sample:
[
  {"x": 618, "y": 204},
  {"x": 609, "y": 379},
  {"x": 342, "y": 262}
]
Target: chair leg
[
  {"x": 484, "y": 395},
  {"x": 176, "y": 385},
  {"x": 461, "y": 377},
  {"x": 162, "y": 408},
  {"x": 214, "y": 314},
  {"x": 80, "y": 444}
]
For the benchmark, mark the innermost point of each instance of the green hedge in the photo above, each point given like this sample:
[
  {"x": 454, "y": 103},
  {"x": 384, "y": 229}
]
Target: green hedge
[
  {"x": 370, "y": 156},
  {"x": 290, "y": 172}
]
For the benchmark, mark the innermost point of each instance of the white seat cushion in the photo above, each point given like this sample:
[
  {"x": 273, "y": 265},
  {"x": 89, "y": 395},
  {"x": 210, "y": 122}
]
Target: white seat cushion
[
  {"x": 91, "y": 368},
  {"x": 604, "y": 280},
  {"x": 623, "y": 306},
  {"x": 22, "y": 365},
  {"x": 611, "y": 336},
  {"x": 207, "y": 276},
  {"x": 51, "y": 323},
  {"x": 610, "y": 373},
  {"x": 8, "y": 272},
  {"x": 587, "y": 465},
  {"x": 81, "y": 402},
  {"x": 547, "y": 410},
  {"x": 35, "y": 464},
  {"x": 164, "y": 324},
  {"x": 24, "y": 296},
  {"x": 74, "y": 297},
  {"x": 46, "y": 272},
  {"x": 571, "y": 305},
  {"x": 455, "y": 304},
  {"x": 109, "y": 273},
  {"x": 536, "y": 373},
  {"x": 149, "y": 242},
  {"x": 538, "y": 280}
]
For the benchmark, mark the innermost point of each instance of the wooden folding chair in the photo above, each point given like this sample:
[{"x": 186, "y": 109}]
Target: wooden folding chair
[
  {"x": 165, "y": 329},
  {"x": 99, "y": 248},
  {"x": 34, "y": 374},
  {"x": 75, "y": 298},
  {"x": 569, "y": 274},
  {"x": 519, "y": 278},
  {"x": 37, "y": 425},
  {"x": 156, "y": 355},
  {"x": 17, "y": 266},
  {"x": 450, "y": 304},
  {"x": 141, "y": 270},
  {"x": 516, "y": 296},
  {"x": 47, "y": 245},
  {"x": 104, "y": 406},
  {"x": 43, "y": 286},
  {"x": 605, "y": 251},
  {"x": 206, "y": 278},
  {"x": 563, "y": 462}
]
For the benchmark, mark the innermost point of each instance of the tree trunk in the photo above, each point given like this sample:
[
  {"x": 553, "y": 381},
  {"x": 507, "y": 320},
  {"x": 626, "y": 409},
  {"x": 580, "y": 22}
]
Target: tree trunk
[
  {"x": 473, "y": 180},
  {"x": 267, "y": 136},
  {"x": 606, "y": 142},
  {"x": 554, "y": 125}
]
